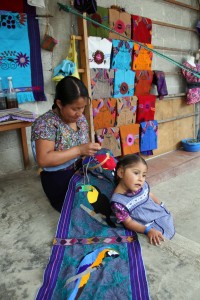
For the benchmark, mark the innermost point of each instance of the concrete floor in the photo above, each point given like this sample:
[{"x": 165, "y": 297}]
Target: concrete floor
[{"x": 28, "y": 224}]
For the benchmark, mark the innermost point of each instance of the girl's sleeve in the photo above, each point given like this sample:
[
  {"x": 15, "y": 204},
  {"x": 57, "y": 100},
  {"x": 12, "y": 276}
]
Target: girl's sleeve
[{"x": 120, "y": 212}]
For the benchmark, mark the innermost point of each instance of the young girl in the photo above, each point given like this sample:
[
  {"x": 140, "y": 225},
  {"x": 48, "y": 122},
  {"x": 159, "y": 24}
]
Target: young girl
[{"x": 135, "y": 206}]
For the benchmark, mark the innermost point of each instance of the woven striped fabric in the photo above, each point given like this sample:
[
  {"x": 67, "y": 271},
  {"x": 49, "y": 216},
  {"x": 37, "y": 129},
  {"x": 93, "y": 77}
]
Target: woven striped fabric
[{"x": 16, "y": 114}]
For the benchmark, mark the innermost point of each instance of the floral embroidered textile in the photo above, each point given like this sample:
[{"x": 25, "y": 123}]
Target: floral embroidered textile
[
  {"x": 141, "y": 29},
  {"x": 99, "y": 50},
  {"x": 124, "y": 83},
  {"x": 149, "y": 135},
  {"x": 143, "y": 82},
  {"x": 193, "y": 92},
  {"x": 121, "y": 54},
  {"x": 101, "y": 83},
  {"x": 109, "y": 138},
  {"x": 126, "y": 110},
  {"x": 130, "y": 138},
  {"x": 142, "y": 58},
  {"x": 120, "y": 22},
  {"x": 101, "y": 16},
  {"x": 145, "y": 108},
  {"x": 160, "y": 82},
  {"x": 104, "y": 113}
]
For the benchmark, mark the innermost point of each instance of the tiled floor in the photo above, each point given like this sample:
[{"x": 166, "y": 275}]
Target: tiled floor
[{"x": 170, "y": 165}]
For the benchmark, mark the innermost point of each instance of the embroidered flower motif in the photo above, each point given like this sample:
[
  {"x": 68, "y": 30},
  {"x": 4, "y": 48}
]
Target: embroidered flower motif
[
  {"x": 130, "y": 139},
  {"x": 123, "y": 88},
  {"x": 22, "y": 18},
  {"x": 22, "y": 60},
  {"x": 98, "y": 57},
  {"x": 119, "y": 26},
  {"x": 96, "y": 17}
]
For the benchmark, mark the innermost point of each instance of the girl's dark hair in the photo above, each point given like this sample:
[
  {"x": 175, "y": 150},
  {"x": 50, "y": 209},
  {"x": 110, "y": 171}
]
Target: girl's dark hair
[
  {"x": 69, "y": 89},
  {"x": 128, "y": 161}
]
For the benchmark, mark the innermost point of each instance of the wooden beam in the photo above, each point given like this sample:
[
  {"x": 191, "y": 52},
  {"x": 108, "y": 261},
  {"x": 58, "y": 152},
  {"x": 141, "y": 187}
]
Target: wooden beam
[
  {"x": 182, "y": 4},
  {"x": 173, "y": 26},
  {"x": 174, "y": 49}
]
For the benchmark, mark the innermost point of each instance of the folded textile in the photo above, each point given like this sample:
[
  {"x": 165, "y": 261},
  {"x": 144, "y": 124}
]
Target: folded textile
[
  {"x": 148, "y": 135},
  {"x": 145, "y": 108},
  {"x": 142, "y": 58},
  {"x": 89, "y": 6},
  {"x": 143, "y": 82},
  {"x": 37, "y": 3},
  {"x": 100, "y": 16},
  {"x": 126, "y": 110},
  {"x": 101, "y": 83},
  {"x": 193, "y": 94},
  {"x": 104, "y": 113},
  {"x": 65, "y": 68},
  {"x": 99, "y": 52},
  {"x": 160, "y": 82},
  {"x": 16, "y": 114},
  {"x": 123, "y": 83},
  {"x": 109, "y": 138},
  {"x": 141, "y": 29},
  {"x": 121, "y": 22},
  {"x": 121, "y": 54},
  {"x": 20, "y": 55},
  {"x": 130, "y": 138}
]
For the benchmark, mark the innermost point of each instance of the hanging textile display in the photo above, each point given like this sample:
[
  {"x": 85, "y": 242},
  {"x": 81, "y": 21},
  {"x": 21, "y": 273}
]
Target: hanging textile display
[
  {"x": 193, "y": 84},
  {"x": 99, "y": 52},
  {"x": 124, "y": 83},
  {"x": 160, "y": 82},
  {"x": 109, "y": 138},
  {"x": 143, "y": 82},
  {"x": 121, "y": 54},
  {"x": 149, "y": 135},
  {"x": 89, "y": 6},
  {"x": 101, "y": 83},
  {"x": 104, "y": 112},
  {"x": 100, "y": 16},
  {"x": 141, "y": 29},
  {"x": 142, "y": 58},
  {"x": 37, "y": 3},
  {"x": 130, "y": 138},
  {"x": 20, "y": 55},
  {"x": 120, "y": 22},
  {"x": 145, "y": 108},
  {"x": 126, "y": 110}
]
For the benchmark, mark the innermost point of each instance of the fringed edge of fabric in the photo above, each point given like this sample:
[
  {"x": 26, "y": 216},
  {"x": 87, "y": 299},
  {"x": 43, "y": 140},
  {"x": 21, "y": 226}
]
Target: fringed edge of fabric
[
  {"x": 23, "y": 97},
  {"x": 39, "y": 96}
]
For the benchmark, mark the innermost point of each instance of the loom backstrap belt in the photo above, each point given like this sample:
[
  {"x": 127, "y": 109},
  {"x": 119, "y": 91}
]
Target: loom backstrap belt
[{"x": 67, "y": 8}]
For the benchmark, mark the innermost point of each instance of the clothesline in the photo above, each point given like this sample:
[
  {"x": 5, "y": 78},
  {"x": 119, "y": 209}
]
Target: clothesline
[{"x": 67, "y": 8}]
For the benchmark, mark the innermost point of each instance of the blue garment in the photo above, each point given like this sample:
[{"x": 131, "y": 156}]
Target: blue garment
[
  {"x": 124, "y": 83},
  {"x": 121, "y": 54},
  {"x": 145, "y": 211},
  {"x": 148, "y": 138}
]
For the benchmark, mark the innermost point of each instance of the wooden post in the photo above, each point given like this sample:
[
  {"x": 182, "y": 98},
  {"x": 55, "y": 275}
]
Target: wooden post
[
  {"x": 24, "y": 147},
  {"x": 82, "y": 26}
]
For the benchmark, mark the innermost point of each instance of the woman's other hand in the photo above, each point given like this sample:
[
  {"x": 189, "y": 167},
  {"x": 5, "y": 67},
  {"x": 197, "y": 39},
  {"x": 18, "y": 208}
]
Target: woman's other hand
[{"x": 89, "y": 149}]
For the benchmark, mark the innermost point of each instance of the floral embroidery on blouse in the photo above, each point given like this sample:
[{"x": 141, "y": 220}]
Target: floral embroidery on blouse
[
  {"x": 50, "y": 127},
  {"x": 120, "y": 212}
]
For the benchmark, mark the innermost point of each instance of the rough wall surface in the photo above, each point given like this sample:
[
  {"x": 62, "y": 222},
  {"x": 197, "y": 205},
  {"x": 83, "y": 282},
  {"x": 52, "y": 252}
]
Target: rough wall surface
[{"x": 63, "y": 24}]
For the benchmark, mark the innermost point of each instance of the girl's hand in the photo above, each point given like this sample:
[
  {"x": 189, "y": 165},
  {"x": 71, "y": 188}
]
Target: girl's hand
[
  {"x": 89, "y": 149},
  {"x": 155, "y": 237}
]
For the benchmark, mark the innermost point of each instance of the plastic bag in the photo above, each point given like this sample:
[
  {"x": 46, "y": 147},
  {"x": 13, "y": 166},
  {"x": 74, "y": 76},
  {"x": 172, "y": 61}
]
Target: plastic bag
[{"x": 72, "y": 55}]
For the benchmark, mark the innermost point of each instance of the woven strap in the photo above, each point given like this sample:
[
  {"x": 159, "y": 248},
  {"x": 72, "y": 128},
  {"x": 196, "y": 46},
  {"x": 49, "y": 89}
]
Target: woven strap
[{"x": 95, "y": 240}]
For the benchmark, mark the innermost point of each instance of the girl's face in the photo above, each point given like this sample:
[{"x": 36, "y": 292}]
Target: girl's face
[
  {"x": 133, "y": 177},
  {"x": 70, "y": 113}
]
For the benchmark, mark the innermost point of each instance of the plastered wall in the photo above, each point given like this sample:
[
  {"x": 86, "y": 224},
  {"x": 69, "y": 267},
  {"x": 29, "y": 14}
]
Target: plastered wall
[{"x": 63, "y": 24}]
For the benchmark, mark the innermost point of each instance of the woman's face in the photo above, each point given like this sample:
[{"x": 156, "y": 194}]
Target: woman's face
[{"x": 70, "y": 113}]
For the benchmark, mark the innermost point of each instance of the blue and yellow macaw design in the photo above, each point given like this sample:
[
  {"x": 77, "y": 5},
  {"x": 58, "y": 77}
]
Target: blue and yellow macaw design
[{"x": 90, "y": 263}]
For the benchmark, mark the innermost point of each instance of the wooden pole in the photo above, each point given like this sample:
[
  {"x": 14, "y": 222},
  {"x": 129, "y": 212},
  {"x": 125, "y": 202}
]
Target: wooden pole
[
  {"x": 173, "y": 26},
  {"x": 182, "y": 4}
]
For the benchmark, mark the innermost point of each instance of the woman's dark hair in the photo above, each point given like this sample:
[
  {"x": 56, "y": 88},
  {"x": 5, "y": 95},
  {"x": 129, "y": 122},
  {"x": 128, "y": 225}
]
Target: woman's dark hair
[
  {"x": 128, "y": 161},
  {"x": 69, "y": 89}
]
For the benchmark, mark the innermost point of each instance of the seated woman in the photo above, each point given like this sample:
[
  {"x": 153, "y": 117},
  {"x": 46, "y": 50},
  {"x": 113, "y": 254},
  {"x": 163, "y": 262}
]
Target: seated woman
[{"x": 60, "y": 137}]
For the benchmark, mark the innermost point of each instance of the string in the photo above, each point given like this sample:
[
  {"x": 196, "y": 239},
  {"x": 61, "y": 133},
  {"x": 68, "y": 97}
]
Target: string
[
  {"x": 67, "y": 8},
  {"x": 85, "y": 174}
]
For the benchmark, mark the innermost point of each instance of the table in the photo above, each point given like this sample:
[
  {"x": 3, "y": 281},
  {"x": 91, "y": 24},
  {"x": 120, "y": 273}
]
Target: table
[{"x": 17, "y": 124}]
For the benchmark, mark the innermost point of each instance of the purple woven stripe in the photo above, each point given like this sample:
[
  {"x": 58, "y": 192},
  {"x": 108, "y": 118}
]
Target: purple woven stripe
[
  {"x": 53, "y": 267},
  {"x": 137, "y": 272},
  {"x": 4, "y": 118},
  {"x": 23, "y": 118},
  {"x": 36, "y": 61}
]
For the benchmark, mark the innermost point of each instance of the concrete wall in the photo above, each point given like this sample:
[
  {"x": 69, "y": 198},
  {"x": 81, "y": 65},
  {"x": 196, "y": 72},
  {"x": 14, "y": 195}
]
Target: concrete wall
[{"x": 64, "y": 24}]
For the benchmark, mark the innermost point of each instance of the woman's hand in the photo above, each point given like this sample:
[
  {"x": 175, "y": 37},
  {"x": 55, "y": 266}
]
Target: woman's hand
[
  {"x": 155, "y": 237},
  {"x": 89, "y": 149}
]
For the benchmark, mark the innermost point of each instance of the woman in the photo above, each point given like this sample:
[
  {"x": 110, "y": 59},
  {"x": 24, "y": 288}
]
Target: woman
[{"x": 60, "y": 138}]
